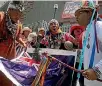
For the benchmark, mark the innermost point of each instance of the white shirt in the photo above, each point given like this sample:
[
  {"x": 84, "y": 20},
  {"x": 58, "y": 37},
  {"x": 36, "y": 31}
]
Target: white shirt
[{"x": 98, "y": 56}]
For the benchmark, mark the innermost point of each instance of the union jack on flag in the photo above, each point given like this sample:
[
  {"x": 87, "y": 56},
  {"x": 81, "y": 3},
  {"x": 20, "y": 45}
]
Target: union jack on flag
[{"x": 21, "y": 70}]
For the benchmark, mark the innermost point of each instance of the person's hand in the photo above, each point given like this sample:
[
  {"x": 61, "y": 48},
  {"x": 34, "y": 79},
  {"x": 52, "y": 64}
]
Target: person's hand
[
  {"x": 73, "y": 40},
  {"x": 24, "y": 45},
  {"x": 62, "y": 40},
  {"x": 89, "y": 74}
]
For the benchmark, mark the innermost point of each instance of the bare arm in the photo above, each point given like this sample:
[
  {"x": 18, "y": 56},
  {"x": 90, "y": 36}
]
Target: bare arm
[{"x": 18, "y": 36}]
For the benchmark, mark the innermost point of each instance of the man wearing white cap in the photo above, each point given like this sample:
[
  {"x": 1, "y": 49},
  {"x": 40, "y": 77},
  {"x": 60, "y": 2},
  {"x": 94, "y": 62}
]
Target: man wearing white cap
[
  {"x": 10, "y": 29},
  {"x": 25, "y": 32}
]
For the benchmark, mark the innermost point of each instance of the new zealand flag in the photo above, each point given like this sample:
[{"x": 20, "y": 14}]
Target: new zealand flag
[{"x": 22, "y": 70}]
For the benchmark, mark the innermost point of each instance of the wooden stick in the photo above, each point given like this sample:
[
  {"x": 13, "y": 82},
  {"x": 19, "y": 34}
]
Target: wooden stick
[{"x": 44, "y": 72}]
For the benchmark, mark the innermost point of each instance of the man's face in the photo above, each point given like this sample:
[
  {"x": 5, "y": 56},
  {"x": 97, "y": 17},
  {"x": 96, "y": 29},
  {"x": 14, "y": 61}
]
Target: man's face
[
  {"x": 53, "y": 27},
  {"x": 42, "y": 32},
  {"x": 34, "y": 39},
  {"x": 26, "y": 33},
  {"x": 83, "y": 18},
  {"x": 14, "y": 14}
]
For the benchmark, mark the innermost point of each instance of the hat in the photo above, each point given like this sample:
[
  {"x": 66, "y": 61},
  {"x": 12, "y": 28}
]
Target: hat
[
  {"x": 26, "y": 29},
  {"x": 31, "y": 36},
  {"x": 76, "y": 27},
  {"x": 86, "y": 6},
  {"x": 41, "y": 29},
  {"x": 16, "y": 5},
  {"x": 53, "y": 20}
]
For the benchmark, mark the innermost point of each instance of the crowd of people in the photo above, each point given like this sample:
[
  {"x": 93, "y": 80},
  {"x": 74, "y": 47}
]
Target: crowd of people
[{"x": 53, "y": 38}]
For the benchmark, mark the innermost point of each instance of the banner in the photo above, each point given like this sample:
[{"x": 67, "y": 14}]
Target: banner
[{"x": 70, "y": 8}]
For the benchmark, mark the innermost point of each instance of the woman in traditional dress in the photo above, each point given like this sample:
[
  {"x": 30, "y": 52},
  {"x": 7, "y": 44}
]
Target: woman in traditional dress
[
  {"x": 10, "y": 29},
  {"x": 54, "y": 34}
]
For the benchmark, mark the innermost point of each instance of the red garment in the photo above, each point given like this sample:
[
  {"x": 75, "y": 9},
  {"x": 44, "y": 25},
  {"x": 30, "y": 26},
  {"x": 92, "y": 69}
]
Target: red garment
[
  {"x": 68, "y": 37},
  {"x": 4, "y": 81},
  {"x": 7, "y": 47}
]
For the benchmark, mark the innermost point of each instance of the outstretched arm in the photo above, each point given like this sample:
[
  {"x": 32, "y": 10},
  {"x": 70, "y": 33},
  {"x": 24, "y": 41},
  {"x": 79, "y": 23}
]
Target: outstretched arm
[
  {"x": 21, "y": 41},
  {"x": 94, "y": 73},
  {"x": 18, "y": 36}
]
